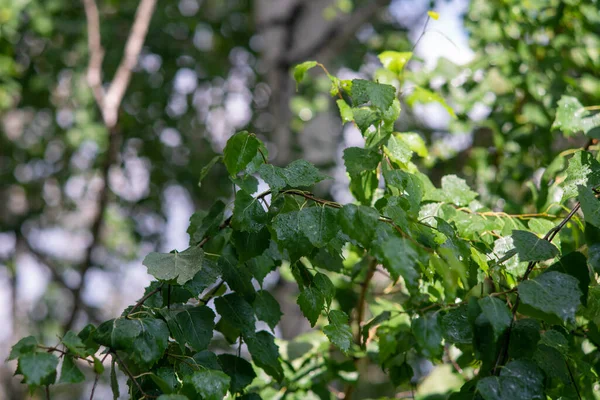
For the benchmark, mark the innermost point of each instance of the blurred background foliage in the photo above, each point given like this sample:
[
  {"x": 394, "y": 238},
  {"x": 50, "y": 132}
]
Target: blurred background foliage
[{"x": 212, "y": 67}]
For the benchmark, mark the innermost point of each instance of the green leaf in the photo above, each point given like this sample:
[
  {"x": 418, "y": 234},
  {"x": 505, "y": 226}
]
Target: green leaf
[
  {"x": 37, "y": 368},
  {"x": 311, "y": 302},
  {"x": 590, "y": 205},
  {"x": 378, "y": 94},
  {"x": 114, "y": 383},
  {"x": 524, "y": 336},
  {"x": 301, "y": 69},
  {"x": 359, "y": 223},
  {"x": 69, "y": 372},
  {"x": 301, "y": 173},
  {"x": 406, "y": 185},
  {"x": 572, "y": 117},
  {"x": 191, "y": 325},
  {"x": 274, "y": 177},
  {"x": 75, "y": 344},
  {"x": 518, "y": 380},
  {"x": 399, "y": 257},
  {"x": 364, "y": 186},
  {"x": 338, "y": 331},
  {"x": 319, "y": 224},
  {"x": 206, "y": 169},
  {"x": 428, "y": 335},
  {"x": 497, "y": 313},
  {"x": 345, "y": 111},
  {"x": 260, "y": 267},
  {"x": 395, "y": 61},
  {"x": 237, "y": 277},
  {"x": 239, "y": 370},
  {"x": 552, "y": 362},
  {"x": 175, "y": 266},
  {"x": 248, "y": 214},
  {"x": 364, "y": 117},
  {"x": 324, "y": 285},
  {"x": 397, "y": 150},
  {"x": 236, "y": 311},
  {"x": 454, "y": 190},
  {"x": 249, "y": 245},
  {"x": 456, "y": 327},
  {"x": 554, "y": 293},
  {"x": 239, "y": 151},
  {"x": 172, "y": 397},
  {"x": 414, "y": 142},
  {"x": 248, "y": 183},
  {"x": 358, "y": 160},
  {"x": 150, "y": 345},
  {"x": 424, "y": 96},
  {"x": 208, "y": 384},
  {"x": 146, "y": 338},
  {"x": 532, "y": 248},
  {"x": 207, "y": 225},
  {"x": 265, "y": 353},
  {"x": 289, "y": 234},
  {"x": 582, "y": 170},
  {"x": 267, "y": 308},
  {"x": 26, "y": 345},
  {"x": 575, "y": 264}
]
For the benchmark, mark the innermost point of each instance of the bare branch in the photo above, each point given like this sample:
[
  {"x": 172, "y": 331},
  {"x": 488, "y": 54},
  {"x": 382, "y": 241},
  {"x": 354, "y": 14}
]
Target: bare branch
[
  {"x": 133, "y": 47},
  {"x": 94, "y": 73}
]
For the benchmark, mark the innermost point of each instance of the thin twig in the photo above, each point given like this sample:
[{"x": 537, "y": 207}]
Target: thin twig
[
  {"x": 133, "y": 47},
  {"x": 130, "y": 375},
  {"x": 97, "y": 378},
  {"x": 573, "y": 380},
  {"x": 143, "y": 299}
]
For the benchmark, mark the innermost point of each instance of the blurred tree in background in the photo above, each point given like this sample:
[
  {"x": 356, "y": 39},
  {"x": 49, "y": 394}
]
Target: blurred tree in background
[{"x": 83, "y": 201}]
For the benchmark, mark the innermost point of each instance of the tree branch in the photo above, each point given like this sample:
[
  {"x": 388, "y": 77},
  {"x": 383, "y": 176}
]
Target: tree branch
[
  {"x": 133, "y": 47},
  {"x": 109, "y": 104}
]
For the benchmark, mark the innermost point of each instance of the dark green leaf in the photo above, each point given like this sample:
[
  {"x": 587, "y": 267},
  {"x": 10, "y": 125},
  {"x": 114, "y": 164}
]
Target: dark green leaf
[
  {"x": 554, "y": 293},
  {"x": 238, "y": 277},
  {"x": 265, "y": 353},
  {"x": 175, "y": 266},
  {"x": 260, "y": 267},
  {"x": 267, "y": 308},
  {"x": 249, "y": 245},
  {"x": 208, "y": 225},
  {"x": 69, "y": 372},
  {"x": 209, "y": 384},
  {"x": 240, "y": 150},
  {"x": 114, "y": 383},
  {"x": 38, "y": 368},
  {"x": 150, "y": 345},
  {"x": 524, "y": 336},
  {"x": 248, "y": 214},
  {"x": 301, "y": 173},
  {"x": 172, "y": 397},
  {"x": 399, "y": 257},
  {"x": 359, "y": 223},
  {"x": 24, "y": 346},
  {"x": 365, "y": 117},
  {"x": 532, "y": 248},
  {"x": 206, "y": 169},
  {"x": 239, "y": 370},
  {"x": 428, "y": 335},
  {"x": 237, "y": 311},
  {"x": 456, "y": 327},
  {"x": 575, "y": 264},
  {"x": 247, "y": 183},
  {"x": 324, "y": 285},
  {"x": 358, "y": 160},
  {"x": 497, "y": 313},
  {"x": 552, "y": 362},
  {"x": 289, "y": 235},
  {"x": 338, "y": 331},
  {"x": 193, "y": 326},
  {"x": 274, "y": 177},
  {"x": 75, "y": 344},
  {"x": 311, "y": 302},
  {"x": 379, "y": 95},
  {"x": 319, "y": 224}
]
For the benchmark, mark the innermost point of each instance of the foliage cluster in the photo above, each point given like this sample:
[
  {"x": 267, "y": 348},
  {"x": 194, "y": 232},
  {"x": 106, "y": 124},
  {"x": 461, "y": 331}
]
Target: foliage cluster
[{"x": 510, "y": 302}]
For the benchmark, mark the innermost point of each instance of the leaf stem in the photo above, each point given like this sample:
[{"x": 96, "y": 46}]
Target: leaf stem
[{"x": 143, "y": 299}]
